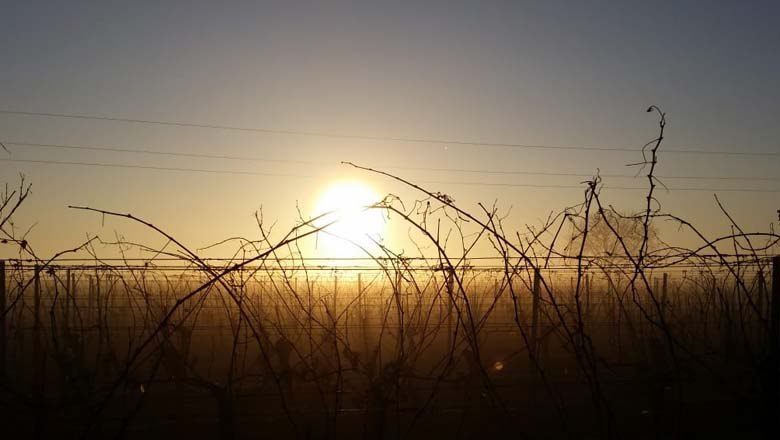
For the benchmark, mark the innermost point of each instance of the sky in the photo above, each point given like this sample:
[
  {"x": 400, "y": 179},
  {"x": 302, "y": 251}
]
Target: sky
[{"x": 524, "y": 73}]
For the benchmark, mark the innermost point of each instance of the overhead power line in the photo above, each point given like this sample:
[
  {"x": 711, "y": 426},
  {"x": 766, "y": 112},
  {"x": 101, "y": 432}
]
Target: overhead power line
[
  {"x": 628, "y": 188},
  {"x": 118, "y": 149},
  {"x": 254, "y": 173},
  {"x": 151, "y": 167},
  {"x": 584, "y": 175},
  {"x": 375, "y": 138}
]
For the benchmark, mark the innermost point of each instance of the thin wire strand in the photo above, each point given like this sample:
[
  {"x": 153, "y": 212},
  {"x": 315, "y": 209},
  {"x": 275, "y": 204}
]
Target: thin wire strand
[
  {"x": 373, "y": 138},
  {"x": 116, "y": 149},
  {"x": 436, "y": 182}
]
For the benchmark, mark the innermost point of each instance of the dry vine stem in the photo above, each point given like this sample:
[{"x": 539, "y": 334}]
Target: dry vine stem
[{"x": 546, "y": 337}]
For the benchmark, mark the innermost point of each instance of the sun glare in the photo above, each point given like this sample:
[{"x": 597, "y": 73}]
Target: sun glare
[{"x": 345, "y": 203}]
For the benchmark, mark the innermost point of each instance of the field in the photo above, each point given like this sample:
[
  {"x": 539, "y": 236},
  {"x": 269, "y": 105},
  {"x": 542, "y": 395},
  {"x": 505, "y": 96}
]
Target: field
[{"x": 395, "y": 350}]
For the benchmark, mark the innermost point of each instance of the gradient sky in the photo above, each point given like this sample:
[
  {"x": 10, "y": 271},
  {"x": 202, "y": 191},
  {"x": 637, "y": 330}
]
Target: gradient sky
[{"x": 551, "y": 73}]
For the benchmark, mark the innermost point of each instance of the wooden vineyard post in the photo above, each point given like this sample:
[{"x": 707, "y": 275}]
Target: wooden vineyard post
[
  {"x": 515, "y": 305},
  {"x": 771, "y": 380},
  {"x": 277, "y": 308},
  {"x": 261, "y": 293},
  {"x": 450, "y": 282},
  {"x": 310, "y": 293},
  {"x": 401, "y": 297},
  {"x": 533, "y": 350},
  {"x": 761, "y": 292},
  {"x": 587, "y": 296},
  {"x": 608, "y": 306},
  {"x": 664, "y": 291},
  {"x": 360, "y": 296},
  {"x": 66, "y": 304},
  {"x": 335, "y": 297},
  {"x": 688, "y": 297},
  {"x": 774, "y": 337},
  {"x": 535, "y": 313},
  {"x": 98, "y": 311},
  {"x": 38, "y": 356},
  {"x": 56, "y": 298},
  {"x": 400, "y": 303},
  {"x": 614, "y": 311},
  {"x": 607, "y": 301},
  {"x": 2, "y": 320},
  {"x": 111, "y": 293},
  {"x": 90, "y": 300},
  {"x": 497, "y": 296},
  {"x": 72, "y": 294},
  {"x": 657, "y": 293},
  {"x": 37, "y": 370}
]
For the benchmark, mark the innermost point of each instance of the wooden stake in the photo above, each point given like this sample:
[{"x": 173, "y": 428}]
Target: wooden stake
[
  {"x": 761, "y": 292},
  {"x": 90, "y": 299},
  {"x": 360, "y": 296},
  {"x": 37, "y": 358},
  {"x": 771, "y": 381},
  {"x": 664, "y": 291},
  {"x": 775, "y": 329},
  {"x": 535, "y": 313},
  {"x": 2, "y": 320},
  {"x": 450, "y": 274},
  {"x": 66, "y": 303},
  {"x": 335, "y": 294},
  {"x": 587, "y": 296}
]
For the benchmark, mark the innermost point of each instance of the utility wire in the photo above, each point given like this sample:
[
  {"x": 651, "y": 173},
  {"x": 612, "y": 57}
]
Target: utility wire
[
  {"x": 254, "y": 173},
  {"x": 117, "y": 149},
  {"x": 149, "y": 167},
  {"x": 583, "y": 175},
  {"x": 715, "y": 257},
  {"x": 374, "y": 138}
]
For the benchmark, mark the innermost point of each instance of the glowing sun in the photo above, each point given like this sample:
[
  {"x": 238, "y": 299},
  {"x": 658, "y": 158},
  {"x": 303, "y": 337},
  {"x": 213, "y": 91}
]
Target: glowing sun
[{"x": 345, "y": 204}]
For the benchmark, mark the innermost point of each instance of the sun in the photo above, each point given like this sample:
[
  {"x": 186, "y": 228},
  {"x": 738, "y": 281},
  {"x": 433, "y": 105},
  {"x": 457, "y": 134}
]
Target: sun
[{"x": 345, "y": 204}]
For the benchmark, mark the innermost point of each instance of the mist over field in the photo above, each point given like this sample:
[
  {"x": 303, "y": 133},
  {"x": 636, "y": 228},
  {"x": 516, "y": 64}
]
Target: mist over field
[{"x": 389, "y": 220}]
